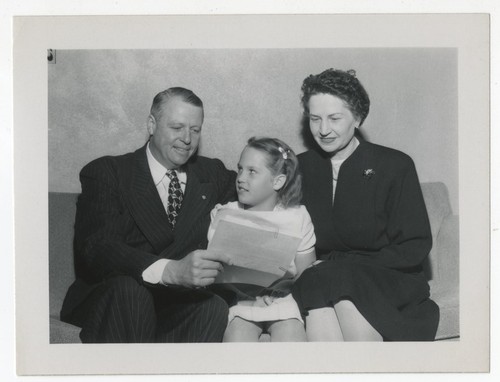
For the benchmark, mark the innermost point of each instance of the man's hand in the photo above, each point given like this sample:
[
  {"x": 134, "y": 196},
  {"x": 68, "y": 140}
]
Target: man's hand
[{"x": 198, "y": 269}]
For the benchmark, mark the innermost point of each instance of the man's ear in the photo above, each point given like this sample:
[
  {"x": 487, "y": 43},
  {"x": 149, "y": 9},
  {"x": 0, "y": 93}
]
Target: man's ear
[
  {"x": 279, "y": 182},
  {"x": 151, "y": 124}
]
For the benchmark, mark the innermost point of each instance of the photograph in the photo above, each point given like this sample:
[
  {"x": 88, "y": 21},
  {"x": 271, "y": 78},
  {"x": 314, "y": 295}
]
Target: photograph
[
  {"x": 98, "y": 105},
  {"x": 295, "y": 196}
]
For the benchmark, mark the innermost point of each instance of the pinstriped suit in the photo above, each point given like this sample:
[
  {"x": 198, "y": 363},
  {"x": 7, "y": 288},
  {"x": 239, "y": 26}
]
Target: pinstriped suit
[{"x": 121, "y": 229}]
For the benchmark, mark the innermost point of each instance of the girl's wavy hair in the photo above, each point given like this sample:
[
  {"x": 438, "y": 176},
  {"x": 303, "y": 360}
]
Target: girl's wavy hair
[
  {"x": 281, "y": 160},
  {"x": 339, "y": 83}
]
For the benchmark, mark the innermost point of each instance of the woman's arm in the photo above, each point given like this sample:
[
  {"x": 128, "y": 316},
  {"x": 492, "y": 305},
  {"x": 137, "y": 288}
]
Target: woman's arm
[
  {"x": 304, "y": 261},
  {"x": 408, "y": 229}
]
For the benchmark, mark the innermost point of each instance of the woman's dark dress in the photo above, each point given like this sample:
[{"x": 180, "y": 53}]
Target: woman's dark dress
[{"x": 375, "y": 238}]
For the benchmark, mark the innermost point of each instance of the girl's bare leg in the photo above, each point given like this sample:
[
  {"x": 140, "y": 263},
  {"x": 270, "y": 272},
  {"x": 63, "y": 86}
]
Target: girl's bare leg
[
  {"x": 291, "y": 330},
  {"x": 240, "y": 330}
]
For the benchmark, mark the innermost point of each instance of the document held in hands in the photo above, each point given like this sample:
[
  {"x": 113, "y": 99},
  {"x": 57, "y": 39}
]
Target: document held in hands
[{"x": 261, "y": 252}]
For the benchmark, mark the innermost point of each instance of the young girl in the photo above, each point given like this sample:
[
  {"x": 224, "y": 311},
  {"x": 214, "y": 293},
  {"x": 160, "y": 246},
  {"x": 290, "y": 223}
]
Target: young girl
[{"x": 269, "y": 186}]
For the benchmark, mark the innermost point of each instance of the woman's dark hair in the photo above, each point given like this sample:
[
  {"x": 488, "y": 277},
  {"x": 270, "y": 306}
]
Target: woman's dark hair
[
  {"x": 339, "y": 83},
  {"x": 281, "y": 160}
]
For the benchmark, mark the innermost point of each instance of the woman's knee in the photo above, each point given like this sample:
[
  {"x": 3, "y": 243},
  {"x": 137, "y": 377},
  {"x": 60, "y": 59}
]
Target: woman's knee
[
  {"x": 346, "y": 305},
  {"x": 322, "y": 325},
  {"x": 355, "y": 326}
]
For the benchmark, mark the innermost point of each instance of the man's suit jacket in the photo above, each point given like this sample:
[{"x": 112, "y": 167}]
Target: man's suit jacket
[{"x": 121, "y": 225}]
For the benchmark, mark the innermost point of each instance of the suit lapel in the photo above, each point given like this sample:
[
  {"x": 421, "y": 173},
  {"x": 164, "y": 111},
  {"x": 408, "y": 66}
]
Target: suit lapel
[
  {"x": 145, "y": 205},
  {"x": 353, "y": 197},
  {"x": 198, "y": 195},
  {"x": 320, "y": 188}
]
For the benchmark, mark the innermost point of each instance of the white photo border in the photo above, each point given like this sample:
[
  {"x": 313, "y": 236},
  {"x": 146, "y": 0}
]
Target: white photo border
[{"x": 33, "y": 35}]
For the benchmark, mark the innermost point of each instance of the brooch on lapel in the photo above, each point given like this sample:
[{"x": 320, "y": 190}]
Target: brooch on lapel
[{"x": 368, "y": 173}]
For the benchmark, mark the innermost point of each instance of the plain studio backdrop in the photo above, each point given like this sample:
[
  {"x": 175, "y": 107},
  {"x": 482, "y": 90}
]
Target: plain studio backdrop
[{"x": 99, "y": 100}]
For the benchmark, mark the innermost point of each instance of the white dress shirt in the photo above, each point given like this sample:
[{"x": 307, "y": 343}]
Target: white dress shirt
[{"x": 153, "y": 273}]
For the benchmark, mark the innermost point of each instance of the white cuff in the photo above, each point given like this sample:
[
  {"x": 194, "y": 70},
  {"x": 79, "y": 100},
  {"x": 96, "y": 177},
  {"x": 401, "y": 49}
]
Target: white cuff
[{"x": 153, "y": 273}]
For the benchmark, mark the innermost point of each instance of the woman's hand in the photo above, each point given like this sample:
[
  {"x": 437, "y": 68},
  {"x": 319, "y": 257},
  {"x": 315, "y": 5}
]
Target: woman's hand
[{"x": 315, "y": 263}]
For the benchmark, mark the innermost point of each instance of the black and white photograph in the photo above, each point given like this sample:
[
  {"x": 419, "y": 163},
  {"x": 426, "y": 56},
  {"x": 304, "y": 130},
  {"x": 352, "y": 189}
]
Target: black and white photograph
[
  {"x": 281, "y": 150},
  {"x": 296, "y": 195}
]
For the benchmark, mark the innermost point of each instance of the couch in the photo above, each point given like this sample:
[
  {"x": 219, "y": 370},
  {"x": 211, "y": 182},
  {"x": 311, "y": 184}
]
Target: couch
[{"x": 441, "y": 267}]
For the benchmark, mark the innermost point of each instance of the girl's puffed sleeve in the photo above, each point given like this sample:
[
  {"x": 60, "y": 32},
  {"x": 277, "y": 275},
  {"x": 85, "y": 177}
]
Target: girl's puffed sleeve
[
  {"x": 307, "y": 232},
  {"x": 213, "y": 224}
]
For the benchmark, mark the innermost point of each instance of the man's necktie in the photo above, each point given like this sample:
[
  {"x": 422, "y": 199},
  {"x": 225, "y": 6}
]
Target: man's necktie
[{"x": 175, "y": 197}]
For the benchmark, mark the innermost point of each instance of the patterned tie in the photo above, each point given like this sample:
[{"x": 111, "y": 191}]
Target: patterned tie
[{"x": 175, "y": 197}]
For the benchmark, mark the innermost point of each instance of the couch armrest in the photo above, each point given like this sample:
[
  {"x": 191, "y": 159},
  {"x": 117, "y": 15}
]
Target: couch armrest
[
  {"x": 63, "y": 333},
  {"x": 448, "y": 252},
  {"x": 445, "y": 285}
]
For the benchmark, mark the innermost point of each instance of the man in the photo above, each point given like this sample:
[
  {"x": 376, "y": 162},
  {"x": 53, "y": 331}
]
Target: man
[{"x": 141, "y": 224}]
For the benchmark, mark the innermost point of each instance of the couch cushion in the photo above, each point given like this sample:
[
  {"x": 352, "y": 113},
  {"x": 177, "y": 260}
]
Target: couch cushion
[
  {"x": 63, "y": 333},
  {"x": 438, "y": 207},
  {"x": 444, "y": 288},
  {"x": 62, "y": 209},
  {"x": 448, "y": 248},
  {"x": 443, "y": 264},
  {"x": 437, "y": 202},
  {"x": 449, "y": 315}
]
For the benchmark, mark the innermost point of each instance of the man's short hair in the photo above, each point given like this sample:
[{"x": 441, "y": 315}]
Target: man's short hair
[{"x": 161, "y": 98}]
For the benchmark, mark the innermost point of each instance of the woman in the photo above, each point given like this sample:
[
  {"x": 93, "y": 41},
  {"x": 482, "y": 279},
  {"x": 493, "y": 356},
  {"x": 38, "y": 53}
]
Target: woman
[{"x": 371, "y": 226}]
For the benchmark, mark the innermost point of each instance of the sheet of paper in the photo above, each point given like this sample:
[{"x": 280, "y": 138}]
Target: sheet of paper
[
  {"x": 260, "y": 254},
  {"x": 235, "y": 275}
]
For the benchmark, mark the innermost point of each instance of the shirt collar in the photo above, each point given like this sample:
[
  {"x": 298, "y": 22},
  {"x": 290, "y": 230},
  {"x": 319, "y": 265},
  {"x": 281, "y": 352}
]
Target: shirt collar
[
  {"x": 158, "y": 171},
  {"x": 346, "y": 152}
]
